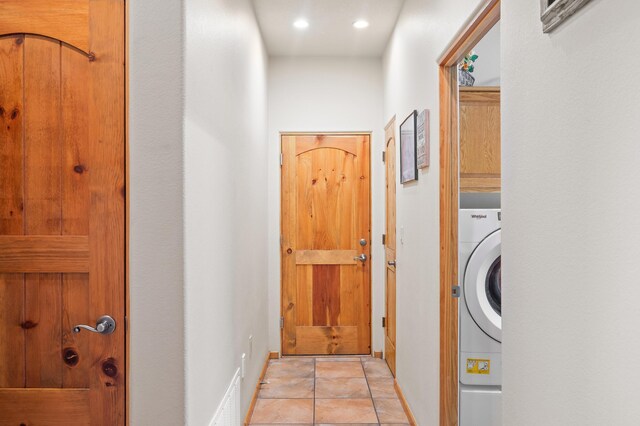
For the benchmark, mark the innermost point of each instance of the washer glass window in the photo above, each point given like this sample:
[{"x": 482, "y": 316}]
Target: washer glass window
[{"x": 493, "y": 286}]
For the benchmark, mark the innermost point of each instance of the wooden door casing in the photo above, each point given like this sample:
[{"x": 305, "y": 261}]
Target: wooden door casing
[
  {"x": 62, "y": 211},
  {"x": 326, "y": 293},
  {"x": 390, "y": 247}
]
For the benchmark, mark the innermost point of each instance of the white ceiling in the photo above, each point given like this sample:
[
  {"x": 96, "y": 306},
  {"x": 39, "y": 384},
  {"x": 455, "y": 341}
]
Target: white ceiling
[{"x": 330, "y": 31}]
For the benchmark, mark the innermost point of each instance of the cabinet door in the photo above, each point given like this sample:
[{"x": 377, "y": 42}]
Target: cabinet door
[{"x": 479, "y": 139}]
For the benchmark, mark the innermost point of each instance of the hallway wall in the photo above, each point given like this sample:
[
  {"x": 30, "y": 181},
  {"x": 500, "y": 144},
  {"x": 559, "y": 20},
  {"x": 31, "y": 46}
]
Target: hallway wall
[
  {"x": 571, "y": 223},
  {"x": 411, "y": 82},
  {"x": 225, "y": 201},
  {"x": 324, "y": 94},
  {"x": 156, "y": 369}
]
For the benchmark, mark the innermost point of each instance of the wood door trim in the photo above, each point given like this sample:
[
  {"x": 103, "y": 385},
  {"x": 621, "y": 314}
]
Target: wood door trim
[{"x": 487, "y": 15}]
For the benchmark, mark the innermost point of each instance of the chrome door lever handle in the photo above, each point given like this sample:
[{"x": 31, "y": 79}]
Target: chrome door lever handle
[
  {"x": 391, "y": 263},
  {"x": 104, "y": 325},
  {"x": 361, "y": 258}
]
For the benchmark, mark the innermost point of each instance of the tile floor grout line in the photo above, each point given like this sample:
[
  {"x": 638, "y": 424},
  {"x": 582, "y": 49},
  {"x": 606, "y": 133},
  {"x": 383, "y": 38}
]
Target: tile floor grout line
[{"x": 366, "y": 379}]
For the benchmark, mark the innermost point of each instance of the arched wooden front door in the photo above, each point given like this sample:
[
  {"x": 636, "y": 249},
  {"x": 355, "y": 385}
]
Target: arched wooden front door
[{"x": 62, "y": 211}]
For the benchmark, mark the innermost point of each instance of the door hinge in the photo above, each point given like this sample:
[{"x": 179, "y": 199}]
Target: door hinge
[
  {"x": 384, "y": 239},
  {"x": 384, "y": 322},
  {"x": 455, "y": 291},
  {"x": 281, "y": 159},
  {"x": 384, "y": 156},
  {"x": 281, "y": 322}
]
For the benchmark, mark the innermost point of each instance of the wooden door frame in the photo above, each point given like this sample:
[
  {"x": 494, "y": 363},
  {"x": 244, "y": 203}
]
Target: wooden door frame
[
  {"x": 349, "y": 133},
  {"x": 480, "y": 23}
]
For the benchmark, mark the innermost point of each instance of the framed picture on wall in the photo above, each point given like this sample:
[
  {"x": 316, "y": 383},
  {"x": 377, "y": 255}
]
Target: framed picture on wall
[
  {"x": 555, "y": 12},
  {"x": 422, "y": 137},
  {"x": 408, "y": 154}
]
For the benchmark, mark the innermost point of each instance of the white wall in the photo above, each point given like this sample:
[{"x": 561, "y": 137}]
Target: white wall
[
  {"x": 324, "y": 95},
  {"x": 225, "y": 201},
  {"x": 156, "y": 370},
  {"x": 487, "y": 66},
  {"x": 571, "y": 223},
  {"x": 411, "y": 82}
]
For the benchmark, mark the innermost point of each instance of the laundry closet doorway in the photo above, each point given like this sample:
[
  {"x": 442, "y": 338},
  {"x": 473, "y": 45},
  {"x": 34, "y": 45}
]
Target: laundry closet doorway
[{"x": 326, "y": 244}]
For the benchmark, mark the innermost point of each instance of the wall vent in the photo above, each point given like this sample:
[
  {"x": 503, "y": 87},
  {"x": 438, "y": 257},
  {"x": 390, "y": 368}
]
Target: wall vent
[{"x": 228, "y": 412}]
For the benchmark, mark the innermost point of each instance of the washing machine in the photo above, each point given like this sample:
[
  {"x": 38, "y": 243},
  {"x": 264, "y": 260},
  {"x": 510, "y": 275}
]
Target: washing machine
[{"x": 480, "y": 318}]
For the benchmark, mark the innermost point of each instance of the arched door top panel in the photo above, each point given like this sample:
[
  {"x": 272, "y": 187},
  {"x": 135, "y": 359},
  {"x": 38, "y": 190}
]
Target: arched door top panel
[{"x": 64, "y": 20}]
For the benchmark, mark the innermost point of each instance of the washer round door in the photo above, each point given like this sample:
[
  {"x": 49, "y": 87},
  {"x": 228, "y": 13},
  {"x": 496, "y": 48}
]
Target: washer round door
[{"x": 483, "y": 286}]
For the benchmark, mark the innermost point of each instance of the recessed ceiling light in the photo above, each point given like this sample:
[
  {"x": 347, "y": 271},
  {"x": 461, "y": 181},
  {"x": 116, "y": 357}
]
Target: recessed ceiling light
[
  {"x": 301, "y": 24},
  {"x": 360, "y": 24}
]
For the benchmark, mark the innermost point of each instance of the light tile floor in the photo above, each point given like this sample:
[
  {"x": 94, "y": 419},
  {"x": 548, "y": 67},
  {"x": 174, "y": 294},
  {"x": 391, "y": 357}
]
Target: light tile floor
[{"x": 327, "y": 391}]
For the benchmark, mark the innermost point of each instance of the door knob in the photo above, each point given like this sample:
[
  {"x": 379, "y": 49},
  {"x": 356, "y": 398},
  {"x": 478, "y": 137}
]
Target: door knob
[
  {"x": 104, "y": 325},
  {"x": 361, "y": 258},
  {"x": 391, "y": 263}
]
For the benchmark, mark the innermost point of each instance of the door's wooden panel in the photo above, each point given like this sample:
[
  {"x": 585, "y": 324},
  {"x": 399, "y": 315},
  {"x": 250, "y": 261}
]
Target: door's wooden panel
[
  {"x": 326, "y": 257},
  {"x": 44, "y": 254},
  {"x": 341, "y": 340},
  {"x": 390, "y": 248},
  {"x": 480, "y": 139},
  {"x": 66, "y": 20},
  {"x": 11, "y": 206},
  {"x": 51, "y": 407},
  {"x": 326, "y": 295},
  {"x": 325, "y": 213}
]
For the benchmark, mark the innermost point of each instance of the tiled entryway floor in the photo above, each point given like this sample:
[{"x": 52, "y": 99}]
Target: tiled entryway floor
[{"x": 327, "y": 391}]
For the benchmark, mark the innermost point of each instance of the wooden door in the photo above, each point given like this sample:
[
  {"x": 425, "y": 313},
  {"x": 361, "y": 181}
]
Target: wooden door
[
  {"x": 390, "y": 247},
  {"x": 326, "y": 291},
  {"x": 480, "y": 139},
  {"x": 62, "y": 211}
]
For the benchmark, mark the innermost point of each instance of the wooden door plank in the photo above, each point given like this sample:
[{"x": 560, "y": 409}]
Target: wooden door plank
[
  {"x": 44, "y": 17},
  {"x": 76, "y": 172},
  {"x": 43, "y": 156},
  {"x": 11, "y": 134},
  {"x": 106, "y": 223},
  {"x": 326, "y": 257},
  {"x": 44, "y": 253},
  {"x": 54, "y": 407},
  {"x": 76, "y": 169},
  {"x": 304, "y": 295},
  {"x": 43, "y": 330},
  {"x": 11, "y": 207},
  {"x": 76, "y": 353}
]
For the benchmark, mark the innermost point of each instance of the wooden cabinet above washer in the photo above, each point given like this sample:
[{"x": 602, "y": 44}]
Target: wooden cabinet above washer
[{"x": 479, "y": 139}]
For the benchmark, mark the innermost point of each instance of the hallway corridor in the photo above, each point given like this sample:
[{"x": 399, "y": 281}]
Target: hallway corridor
[{"x": 328, "y": 390}]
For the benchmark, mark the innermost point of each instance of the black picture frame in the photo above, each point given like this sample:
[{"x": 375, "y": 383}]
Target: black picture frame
[{"x": 409, "y": 149}]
